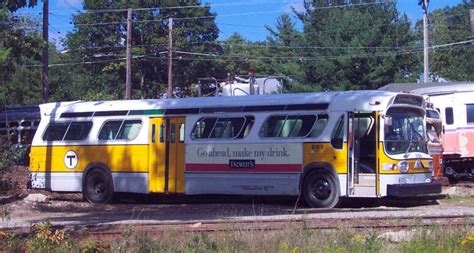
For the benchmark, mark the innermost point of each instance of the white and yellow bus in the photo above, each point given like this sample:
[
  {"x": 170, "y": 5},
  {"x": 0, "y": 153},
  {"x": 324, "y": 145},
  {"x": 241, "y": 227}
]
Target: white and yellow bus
[{"x": 324, "y": 146}]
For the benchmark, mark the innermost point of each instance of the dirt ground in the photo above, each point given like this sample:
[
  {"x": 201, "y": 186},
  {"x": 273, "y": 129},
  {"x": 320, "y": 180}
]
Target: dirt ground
[{"x": 22, "y": 208}]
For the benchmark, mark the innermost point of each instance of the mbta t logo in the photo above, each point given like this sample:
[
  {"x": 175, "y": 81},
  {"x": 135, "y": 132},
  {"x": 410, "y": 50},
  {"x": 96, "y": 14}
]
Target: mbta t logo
[{"x": 71, "y": 159}]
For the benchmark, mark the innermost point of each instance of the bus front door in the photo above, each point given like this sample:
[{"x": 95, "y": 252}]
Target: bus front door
[
  {"x": 166, "y": 155},
  {"x": 362, "y": 174}
]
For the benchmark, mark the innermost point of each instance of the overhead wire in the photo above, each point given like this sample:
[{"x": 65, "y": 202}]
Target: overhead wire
[{"x": 231, "y": 58}]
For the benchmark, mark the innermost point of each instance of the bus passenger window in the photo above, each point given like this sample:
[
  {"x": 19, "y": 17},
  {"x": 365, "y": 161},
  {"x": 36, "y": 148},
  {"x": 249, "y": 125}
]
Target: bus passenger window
[
  {"x": 227, "y": 128},
  {"x": 337, "y": 136},
  {"x": 448, "y": 115},
  {"x": 222, "y": 128},
  {"x": 78, "y": 131},
  {"x": 287, "y": 126},
  {"x": 120, "y": 130},
  {"x": 203, "y": 128},
  {"x": 319, "y": 126},
  {"x": 109, "y": 130},
  {"x": 129, "y": 130},
  {"x": 55, "y": 131}
]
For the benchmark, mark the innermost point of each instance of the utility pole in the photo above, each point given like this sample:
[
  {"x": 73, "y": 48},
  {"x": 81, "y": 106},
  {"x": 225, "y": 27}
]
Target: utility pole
[
  {"x": 45, "y": 60},
  {"x": 170, "y": 58},
  {"x": 426, "y": 44},
  {"x": 128, "y": 80},
  {"x": 471, "y": 12}
]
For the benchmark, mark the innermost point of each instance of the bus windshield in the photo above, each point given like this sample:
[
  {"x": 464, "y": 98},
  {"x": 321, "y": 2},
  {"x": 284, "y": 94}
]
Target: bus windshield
[{"x": 404, "y": 132}]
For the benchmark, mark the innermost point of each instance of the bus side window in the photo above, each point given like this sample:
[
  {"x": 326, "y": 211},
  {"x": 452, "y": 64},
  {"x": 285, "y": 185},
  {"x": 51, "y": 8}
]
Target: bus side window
[
  {"x": 319, "y": 126},
  {"x": 285, "y": 126},
  {"x": 78, "y": 131},
  {"x": 337, "y": 136},
  {"x": 55, "y": 131},
  {"x": 109, "y": 130},
  {"x": 129, "y": 130},
  {"x": 448, "y": 115}
]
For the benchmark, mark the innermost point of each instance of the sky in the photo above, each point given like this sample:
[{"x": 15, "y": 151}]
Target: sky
[{"x": 246, "y": 17}]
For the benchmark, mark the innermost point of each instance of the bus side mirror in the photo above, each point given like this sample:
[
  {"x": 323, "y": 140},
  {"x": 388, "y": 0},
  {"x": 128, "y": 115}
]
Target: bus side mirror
[{"x": 388, "y": 120}]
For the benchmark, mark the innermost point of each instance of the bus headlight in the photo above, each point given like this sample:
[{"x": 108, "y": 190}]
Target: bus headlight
[
  {"x": 403, "y": 166},
  {"x": 430, "y": 165}
]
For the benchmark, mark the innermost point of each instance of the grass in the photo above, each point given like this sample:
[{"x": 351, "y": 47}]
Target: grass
[{"x": 291, "y": 239}]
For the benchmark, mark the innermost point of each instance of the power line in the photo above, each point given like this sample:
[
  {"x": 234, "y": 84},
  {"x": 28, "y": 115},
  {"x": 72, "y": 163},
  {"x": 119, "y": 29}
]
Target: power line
[
  {"x": 231, "y": 58},
  {"x": 220, "y": 5}
]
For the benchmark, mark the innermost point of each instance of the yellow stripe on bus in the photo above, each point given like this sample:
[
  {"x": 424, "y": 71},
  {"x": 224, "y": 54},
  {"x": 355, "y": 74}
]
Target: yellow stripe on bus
[{"x": 118, "y": 158}]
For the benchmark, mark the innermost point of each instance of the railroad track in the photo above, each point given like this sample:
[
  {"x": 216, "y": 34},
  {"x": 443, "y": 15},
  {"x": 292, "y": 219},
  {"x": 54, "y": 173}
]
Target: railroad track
[{"x": 110, "y": 231}]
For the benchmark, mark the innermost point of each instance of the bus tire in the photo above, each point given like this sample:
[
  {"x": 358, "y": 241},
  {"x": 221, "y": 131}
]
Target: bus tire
[
  {"x": 320, "y": 190},
  {"x": 98, "y": 186}
]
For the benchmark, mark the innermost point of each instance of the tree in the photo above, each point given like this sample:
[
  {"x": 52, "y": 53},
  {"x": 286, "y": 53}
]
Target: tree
[
  {"x": 99, "y": 37},
  {"x": 359, "y": 47},
  {"x": 286, "y": 45},
  {"x": 14, "y": 5},
  {"x": 19, "y": 48},
  {"x": 448, "y": 25}
]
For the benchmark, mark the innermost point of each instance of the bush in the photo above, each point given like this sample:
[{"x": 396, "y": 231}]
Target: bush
[{"x": 11, "y": 155}]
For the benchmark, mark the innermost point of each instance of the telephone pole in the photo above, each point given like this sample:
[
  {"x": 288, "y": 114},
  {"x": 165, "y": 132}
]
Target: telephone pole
[
  {"x": 45, "y": 60},
  {"x": 128, "y": 80},
  {"x": 471, "y": 12},
  {"x": 426, "y": 44},
  {"x": 170, "y": 58}
]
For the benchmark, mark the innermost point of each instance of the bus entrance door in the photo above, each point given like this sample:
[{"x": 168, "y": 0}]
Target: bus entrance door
[
  {"x": 166, "y": 155},
  {"x": 362, "y": 174}
]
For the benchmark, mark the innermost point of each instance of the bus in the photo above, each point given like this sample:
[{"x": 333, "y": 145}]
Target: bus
[
  {"x": 323, "y": 147},
  {"x": 452, "y": 105}
]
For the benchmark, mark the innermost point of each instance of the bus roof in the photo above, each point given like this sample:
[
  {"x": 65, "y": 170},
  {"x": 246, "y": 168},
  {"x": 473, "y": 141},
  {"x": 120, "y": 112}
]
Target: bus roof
[{"x": 363, "y": 100}]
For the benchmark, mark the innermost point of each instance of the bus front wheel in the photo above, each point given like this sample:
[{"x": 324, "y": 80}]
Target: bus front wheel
[
  {"x": 320, "y": 190},
  {"x": 98, "y": 187}
]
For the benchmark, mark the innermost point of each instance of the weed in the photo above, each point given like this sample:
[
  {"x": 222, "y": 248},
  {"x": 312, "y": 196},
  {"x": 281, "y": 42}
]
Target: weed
[{"x": 47, "y": 239}]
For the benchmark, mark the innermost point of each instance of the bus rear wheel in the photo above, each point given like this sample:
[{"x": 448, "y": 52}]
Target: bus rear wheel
[
  {"x": 98, "y": 187},
  {"x": 320, "y": 190}
]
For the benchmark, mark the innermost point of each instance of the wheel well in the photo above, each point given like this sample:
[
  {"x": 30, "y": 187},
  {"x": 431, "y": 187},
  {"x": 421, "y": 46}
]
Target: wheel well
[
  {"x": 314, "y": 167},
  {"x": 100, "y": 166}
]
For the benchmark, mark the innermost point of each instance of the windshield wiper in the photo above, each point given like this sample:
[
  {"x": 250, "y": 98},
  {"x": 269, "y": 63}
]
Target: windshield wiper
[{"x": 420, "y": 136}]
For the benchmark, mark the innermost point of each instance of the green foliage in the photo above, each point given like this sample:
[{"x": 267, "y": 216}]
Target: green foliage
[
  {"x": 104, "y": 45},
  {"x": 448, "y": 25},
  {"x": 19, "y": 47},
  {"x": 356, "y": 48},
  {"x": 48, "y": 239},
  {"x": 11, "y": 155},
  {"x": 13, "y": 5}
]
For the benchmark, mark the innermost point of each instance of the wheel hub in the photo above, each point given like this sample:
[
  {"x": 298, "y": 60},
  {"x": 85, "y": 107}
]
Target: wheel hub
[{"x": 321, "y": 189}]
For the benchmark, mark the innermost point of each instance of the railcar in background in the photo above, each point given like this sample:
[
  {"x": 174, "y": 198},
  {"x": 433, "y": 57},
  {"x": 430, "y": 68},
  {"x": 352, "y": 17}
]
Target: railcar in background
[
  {"x": 18, "y": 124},
  {"x": 323, "y": 146},
  {"x": 455, "y": 102}
]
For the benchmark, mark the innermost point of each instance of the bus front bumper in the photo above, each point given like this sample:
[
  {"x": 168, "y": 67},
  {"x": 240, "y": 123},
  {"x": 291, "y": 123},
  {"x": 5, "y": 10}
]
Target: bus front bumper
[{"x": 413, "y": 190}]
